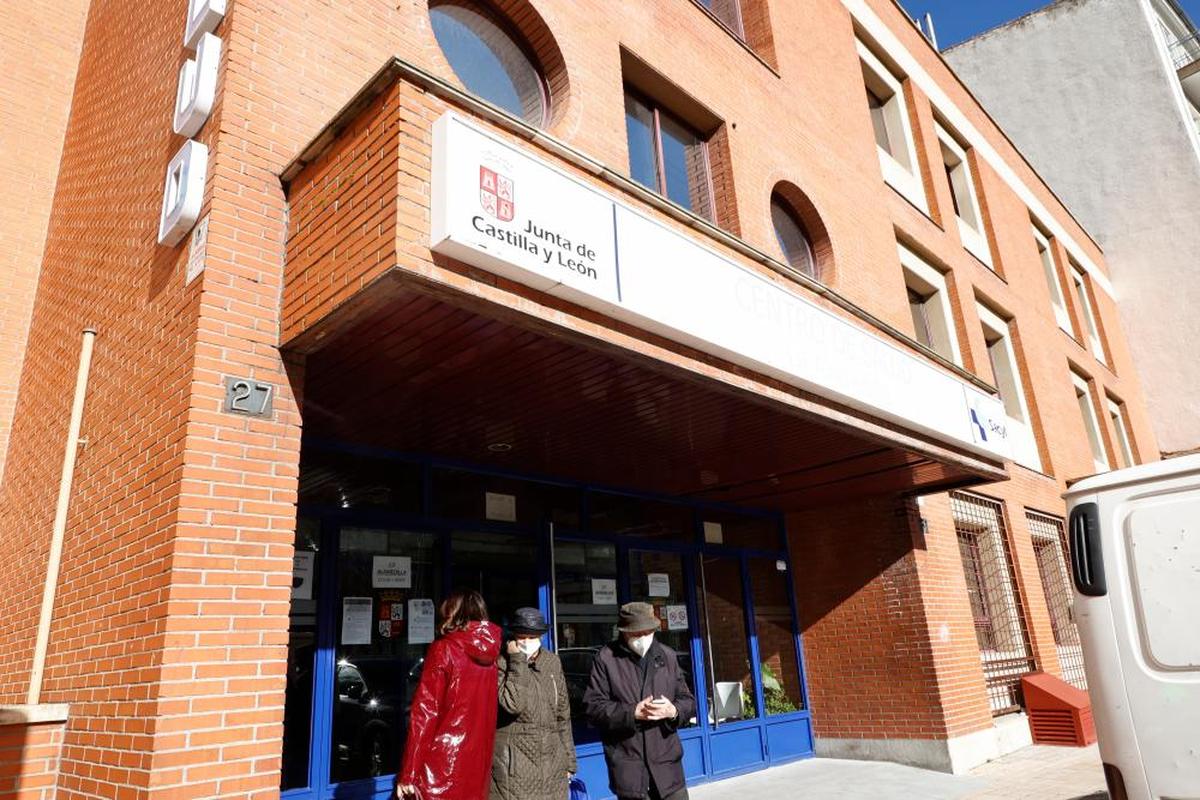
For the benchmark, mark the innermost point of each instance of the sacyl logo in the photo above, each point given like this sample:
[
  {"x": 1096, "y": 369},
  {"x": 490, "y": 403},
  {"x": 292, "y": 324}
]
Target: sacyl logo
[{"x": 981, "y": 431}]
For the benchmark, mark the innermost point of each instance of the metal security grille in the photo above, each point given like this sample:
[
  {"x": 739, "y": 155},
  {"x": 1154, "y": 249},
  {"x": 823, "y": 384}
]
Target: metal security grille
[
  {"x": 1050, "y": 547},
  {"x": 996, "y": 604}
]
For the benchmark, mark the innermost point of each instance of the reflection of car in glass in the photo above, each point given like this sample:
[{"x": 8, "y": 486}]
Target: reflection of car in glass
[
  {"x": 577, "y": 669},
  {"x": 368, "y": 723}
]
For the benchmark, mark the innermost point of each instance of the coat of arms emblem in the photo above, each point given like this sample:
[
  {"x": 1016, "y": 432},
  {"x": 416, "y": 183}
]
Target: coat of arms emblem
[{"x": 496, "y": 194}]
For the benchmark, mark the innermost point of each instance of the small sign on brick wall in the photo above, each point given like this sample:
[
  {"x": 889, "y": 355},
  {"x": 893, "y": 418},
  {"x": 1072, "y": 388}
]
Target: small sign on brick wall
[
  {"x": 248, "y": 396},
  {"x": 197, "y": 252}
]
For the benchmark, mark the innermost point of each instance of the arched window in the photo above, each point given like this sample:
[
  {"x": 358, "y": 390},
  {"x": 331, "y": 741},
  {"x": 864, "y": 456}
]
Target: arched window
[
  {"x": 489, "y": 61},
  {"x": 793, "y": 239}
]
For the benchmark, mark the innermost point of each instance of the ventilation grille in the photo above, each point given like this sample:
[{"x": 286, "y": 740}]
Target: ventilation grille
[{"x": 1053, "y": 727}]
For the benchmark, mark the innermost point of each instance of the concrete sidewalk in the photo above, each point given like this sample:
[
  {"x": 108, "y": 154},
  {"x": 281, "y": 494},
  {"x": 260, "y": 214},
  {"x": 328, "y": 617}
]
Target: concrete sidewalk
[{"x": 1034, "y": 773}]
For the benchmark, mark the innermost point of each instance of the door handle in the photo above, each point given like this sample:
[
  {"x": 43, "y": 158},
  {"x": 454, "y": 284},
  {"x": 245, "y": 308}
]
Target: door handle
[{"x": 1087, "y": 555}]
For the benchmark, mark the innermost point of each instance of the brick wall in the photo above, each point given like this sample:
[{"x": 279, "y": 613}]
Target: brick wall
[
  {"x": 170, "y": 627},
  {"x": 39, "y": 50},
  {"x": 29, "y": 756},
  {"x": 878, "y": 665}
]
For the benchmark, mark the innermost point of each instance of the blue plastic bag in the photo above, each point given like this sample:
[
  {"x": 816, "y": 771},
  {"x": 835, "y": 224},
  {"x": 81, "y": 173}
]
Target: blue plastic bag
[{"x": 577, "y": 790}]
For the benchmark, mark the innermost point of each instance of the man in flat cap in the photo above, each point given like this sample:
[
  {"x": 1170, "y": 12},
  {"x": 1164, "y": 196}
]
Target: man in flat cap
[{"x": 638, "y": 697}]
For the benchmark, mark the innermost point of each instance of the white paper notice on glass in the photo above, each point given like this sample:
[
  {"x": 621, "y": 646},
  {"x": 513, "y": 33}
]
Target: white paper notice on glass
[
  {"x": 357, "y": 621},
  {"x": 604, "y": 591},
  {"x": 303, "y": 565},
  {"x": 500, "y": 507},
  {"x": 677, "y": 619},
  {"x": 391, "y": 572},
  {"x": 658, "y": 584},
  {"x": 420, "y": 621}
]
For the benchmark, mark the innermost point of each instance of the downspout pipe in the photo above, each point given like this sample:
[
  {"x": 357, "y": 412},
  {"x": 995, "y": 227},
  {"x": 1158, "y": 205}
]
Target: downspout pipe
[{"x": 58, "y": 533}]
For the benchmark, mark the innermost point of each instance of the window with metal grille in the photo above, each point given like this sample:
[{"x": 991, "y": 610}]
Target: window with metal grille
[
  {"x": 1050, "y": 547},
  {"x": 996, "y": 605}
]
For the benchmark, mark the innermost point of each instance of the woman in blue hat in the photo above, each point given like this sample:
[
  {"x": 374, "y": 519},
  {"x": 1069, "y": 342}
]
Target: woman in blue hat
[{"x": 534, "y": 754}]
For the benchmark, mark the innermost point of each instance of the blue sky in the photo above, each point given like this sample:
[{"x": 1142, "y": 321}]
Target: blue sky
[{"x": 956, "y": 20}]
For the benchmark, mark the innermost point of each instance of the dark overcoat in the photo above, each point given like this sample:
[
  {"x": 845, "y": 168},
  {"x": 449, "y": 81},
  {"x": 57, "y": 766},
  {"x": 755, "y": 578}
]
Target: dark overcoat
[{"x": 637, "y": 751}]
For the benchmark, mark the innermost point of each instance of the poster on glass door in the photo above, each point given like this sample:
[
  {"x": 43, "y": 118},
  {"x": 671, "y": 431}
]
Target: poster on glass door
[
  {"x": 356, "y": 620},
  {"x": 420, "y": 621}
]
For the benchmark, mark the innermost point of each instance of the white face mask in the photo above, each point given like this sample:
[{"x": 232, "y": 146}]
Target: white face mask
[
  {"x": 529, "y": 646},
  {"x": 641, "y": 644}
]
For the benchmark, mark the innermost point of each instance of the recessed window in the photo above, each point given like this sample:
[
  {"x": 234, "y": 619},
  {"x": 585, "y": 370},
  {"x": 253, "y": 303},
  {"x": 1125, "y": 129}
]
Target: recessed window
[
  {"x": 1087, "y": 411},
  {"x": 893, "y": 134},
  {"x": 1050, "y": 270},
  {"x": 1079, "y": 281},
  {"x": 489, "y": 60},
  {"x": 791, "y": 237},
  {"x": 666, "y": 156},
  {"x": 1116, "y": 413},
  {"x": 929, "y": 305},
  {"x": 728, "y": 11},
  {"x": 1003, "y": 358},
  {"x": 998, "y": 335},
  {"x": 964, "y": 196}
]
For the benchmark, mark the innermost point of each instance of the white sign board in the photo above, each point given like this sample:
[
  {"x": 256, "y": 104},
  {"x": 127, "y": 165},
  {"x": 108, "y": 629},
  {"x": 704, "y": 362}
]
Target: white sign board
[
  {"x": 391, "y": 572},
  {"x": 500, "y": 507},
  {"x": 303, "y": 565},
  {"x": 658, "y": 584},
  {"x": 677, "y": 618},
  {"x": 420, "y": 621},
  {"x": 604, "y": 591},
  {"x": 197, "y": 252},
  {"x": 498, "y": 208},
  {"x": 356, "y": 620}
]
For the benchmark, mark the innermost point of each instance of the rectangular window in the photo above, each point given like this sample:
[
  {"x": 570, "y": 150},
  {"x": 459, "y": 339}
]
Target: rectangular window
[
  {"x": 1116, "y": 413},
  {"x": 1079, "y": 281},
  {"x": 997, "y": 607},
  {"x": 1087, "y": 411},
  {"x": 1002, "y": 353},
  {"x": 929, "y": 304},
  {"x": 1050, "y": 547},
  {"x": 1004, "y": 363},
  {"x": 729, "y": 12},
  {"x": 964, "y": 195},
  {"x": 668, "y": 157},
  {"x": 1052, "y": 281},
  {"x": 893, "y": 133}
]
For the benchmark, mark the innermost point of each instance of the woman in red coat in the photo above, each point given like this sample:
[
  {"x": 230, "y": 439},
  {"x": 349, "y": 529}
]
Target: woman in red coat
[{"x": 452, "y": 726}]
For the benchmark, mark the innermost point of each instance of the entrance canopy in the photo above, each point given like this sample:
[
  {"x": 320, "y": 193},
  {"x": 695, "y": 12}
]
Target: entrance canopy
[{"x": 411, "y": 367}]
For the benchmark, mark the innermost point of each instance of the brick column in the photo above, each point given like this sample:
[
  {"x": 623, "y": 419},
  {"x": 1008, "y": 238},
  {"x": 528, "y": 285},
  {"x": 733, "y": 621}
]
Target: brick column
[{"x": 892, "y": 665}]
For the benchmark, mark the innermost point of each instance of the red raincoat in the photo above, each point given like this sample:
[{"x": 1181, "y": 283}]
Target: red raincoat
[{"x": 452, "y": 726}]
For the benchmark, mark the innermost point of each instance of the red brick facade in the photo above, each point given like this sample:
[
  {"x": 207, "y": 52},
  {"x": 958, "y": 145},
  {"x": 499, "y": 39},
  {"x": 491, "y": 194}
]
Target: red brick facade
[
  {"x": 29, "y": 758},
  {"x": 170, "y": 625}
]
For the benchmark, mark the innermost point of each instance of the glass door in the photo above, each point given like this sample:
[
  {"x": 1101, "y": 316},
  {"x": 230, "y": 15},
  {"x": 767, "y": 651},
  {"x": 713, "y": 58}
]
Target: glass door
[
  {"x": 585, "y": 616},
  {"x": 732, "y": 688},
  {"x": 659, "y": 578},
  {"x": 388, "y": 584},
  {"x": 504, "y": 568}
]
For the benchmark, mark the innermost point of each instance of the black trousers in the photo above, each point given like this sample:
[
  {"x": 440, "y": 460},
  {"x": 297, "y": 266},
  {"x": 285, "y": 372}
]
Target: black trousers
[{"x": 682, "y": 794}]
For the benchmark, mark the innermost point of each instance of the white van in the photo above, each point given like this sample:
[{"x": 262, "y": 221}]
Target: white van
[{"x": 1135, "y": 562}]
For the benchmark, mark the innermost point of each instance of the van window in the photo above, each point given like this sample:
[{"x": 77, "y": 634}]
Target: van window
[{"x": 1164, "y": 550}]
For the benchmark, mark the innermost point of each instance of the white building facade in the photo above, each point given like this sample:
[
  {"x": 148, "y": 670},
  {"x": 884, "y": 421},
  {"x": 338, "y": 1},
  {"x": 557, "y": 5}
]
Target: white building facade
[{"x": 1103, "y": 98}]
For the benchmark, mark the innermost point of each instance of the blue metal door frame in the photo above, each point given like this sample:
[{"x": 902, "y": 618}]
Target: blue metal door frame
[{"x": 798, "y": 723}]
